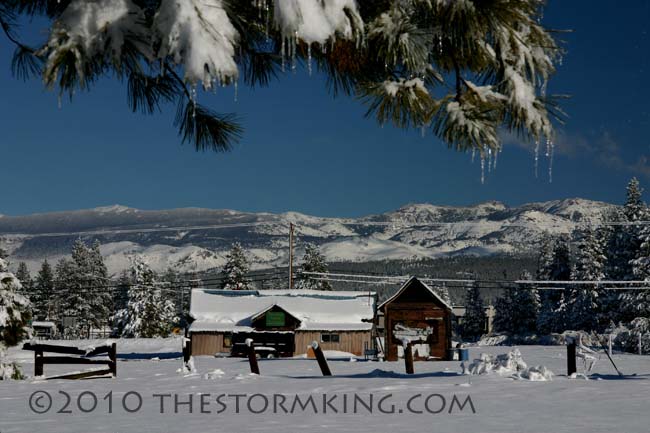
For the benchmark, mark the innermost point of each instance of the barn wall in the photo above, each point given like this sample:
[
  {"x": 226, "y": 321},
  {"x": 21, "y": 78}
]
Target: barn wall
[
  {"x": 350, "y": 341},
  {"x": 207, "y": 343}
]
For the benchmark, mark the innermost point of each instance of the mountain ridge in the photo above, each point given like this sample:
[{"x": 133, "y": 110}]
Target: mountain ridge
[{"x": 197, "y": 239}]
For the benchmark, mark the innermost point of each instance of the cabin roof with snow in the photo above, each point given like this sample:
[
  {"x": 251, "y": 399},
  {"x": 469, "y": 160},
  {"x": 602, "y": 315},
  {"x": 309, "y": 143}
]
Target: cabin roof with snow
[
  {"x": 43, "y": 324},
  {"x": 315, "y": 310},
  {"x": 411, "y": 284}
]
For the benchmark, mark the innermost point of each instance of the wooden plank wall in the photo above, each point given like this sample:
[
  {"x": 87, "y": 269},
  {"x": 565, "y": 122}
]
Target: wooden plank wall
[
  {"x": 349, "y": 341},
  {"x": 207, "y": 343}
]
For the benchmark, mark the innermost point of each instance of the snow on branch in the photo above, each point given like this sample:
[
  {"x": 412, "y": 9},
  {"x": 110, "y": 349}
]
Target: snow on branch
[
  {"x": 198, "y": 35},
  {"x": 317, "y": 21}
]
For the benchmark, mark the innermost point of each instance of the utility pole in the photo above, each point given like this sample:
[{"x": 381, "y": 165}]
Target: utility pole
[{"x": 290, "y": 256}]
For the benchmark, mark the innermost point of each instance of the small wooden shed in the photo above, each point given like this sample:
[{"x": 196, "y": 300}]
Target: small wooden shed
[{"x": 416, "y": 313}]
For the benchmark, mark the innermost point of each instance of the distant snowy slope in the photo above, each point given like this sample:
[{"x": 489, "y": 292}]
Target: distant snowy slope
[{"x": 194, "y": 239}]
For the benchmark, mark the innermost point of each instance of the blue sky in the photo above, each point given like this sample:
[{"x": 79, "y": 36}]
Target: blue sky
[{"x": 306, "y": 151}]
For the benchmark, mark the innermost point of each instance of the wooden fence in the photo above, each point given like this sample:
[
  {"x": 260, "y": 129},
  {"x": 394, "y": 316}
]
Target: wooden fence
[{"x": 84, "y": 357}]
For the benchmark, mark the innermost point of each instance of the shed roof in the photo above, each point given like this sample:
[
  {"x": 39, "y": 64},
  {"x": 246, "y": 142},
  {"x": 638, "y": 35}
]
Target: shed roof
[
  {"x": 414, "y": 280},
  {"x": 233, "y": 310}
]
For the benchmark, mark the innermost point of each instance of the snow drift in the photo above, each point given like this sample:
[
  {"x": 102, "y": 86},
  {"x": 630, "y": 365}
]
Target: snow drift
[{"x": 509, "y": 364}]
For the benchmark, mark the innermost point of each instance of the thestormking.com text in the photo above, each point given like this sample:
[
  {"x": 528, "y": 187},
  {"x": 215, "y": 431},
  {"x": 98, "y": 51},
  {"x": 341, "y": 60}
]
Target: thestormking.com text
[{"x": 85, "y": 402}]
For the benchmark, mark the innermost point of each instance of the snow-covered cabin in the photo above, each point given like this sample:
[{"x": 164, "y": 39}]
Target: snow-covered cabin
[
  {"x": 284, "y": 322},
  {"x": 416, "y": 314}
]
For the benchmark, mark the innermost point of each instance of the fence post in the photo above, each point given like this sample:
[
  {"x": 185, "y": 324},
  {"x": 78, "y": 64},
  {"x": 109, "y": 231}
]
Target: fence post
[
  {"x": 320, "y": 357},
  {"x": 252, "y": 358},
  {"x": 187, "y": 349},
  {"x": 112, "y": 355},
  {"x": 38, "y": 363},
  {"x": 408, "y": 358},
  {"x": 571, "y": 356},
  {"x": 609, "y": 345}
]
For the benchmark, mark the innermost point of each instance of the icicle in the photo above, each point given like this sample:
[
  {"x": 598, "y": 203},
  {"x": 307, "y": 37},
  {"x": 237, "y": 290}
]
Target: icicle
[
  {"x": 489, "y": 161},
  {"x": 59, "y": 101},
  {"x": 294, "y": 49},
  {"x": 482, "y": 168},
  {"x": 194, "y": 98},
  {"x": 496, "y": 155},
  {"x": 536, "y": 155},
  {"x": 423, "y": 131},
  {"x": 309, "y": 59},
  {"x": 551, "y": 151},
  {"x": 473, "y": 155},
  {"x": 283, "y": 53},
  {"x": 440, "y": 44},
  {"x": 268, "y": 18},
  {"x": 236, "y": 90}
]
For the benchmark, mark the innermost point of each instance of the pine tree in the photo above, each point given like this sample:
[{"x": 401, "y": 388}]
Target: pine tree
[
  {"x": 504, "y": 306},
  {"x": 517, "y": 309},
  {"x": 63, "y": 286},
  {"x": 474, "y": 319},
  {"x": 527, "y": 302},
  {"x": 634, "y": 209},
  {"x": 235, "y": 270},
  {"x": 553, "y": 265},
  {"x": 313, "y": 261},
  {"x": 464, "y": 69},
  {"x": 102, "y": 302},
  {"x": 43, "y": 298},
  {"x": 634, "y": 250},
  {"x": 637, "y": 303},
  {"x": 624, "y": 239},
  {"x": 15, "y": 316},
  {"x": 443, "y": 292},
  {"x": 146, "y": 314},
  {"x": 178, "y": 294},
  {"x": 583, "y": 305},
  {"x": 82, "y": 292},
  {"x": 121, "y": 295},
  {"x": 27, "y": 285},
  {"x": 619, "y": 254},
  {"x": 25, "y": 278}
]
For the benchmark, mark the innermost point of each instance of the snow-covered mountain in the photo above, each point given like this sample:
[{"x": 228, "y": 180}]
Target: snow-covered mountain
[{"x": 193, "y": 239}]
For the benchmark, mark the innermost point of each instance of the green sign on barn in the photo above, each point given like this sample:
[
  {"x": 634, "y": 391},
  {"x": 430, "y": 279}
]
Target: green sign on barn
[{"x": 275, "y": 319}]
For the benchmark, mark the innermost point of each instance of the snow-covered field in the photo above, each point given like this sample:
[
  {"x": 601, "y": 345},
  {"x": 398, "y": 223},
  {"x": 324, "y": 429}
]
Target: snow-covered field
[{"x": 605, "y": 403}]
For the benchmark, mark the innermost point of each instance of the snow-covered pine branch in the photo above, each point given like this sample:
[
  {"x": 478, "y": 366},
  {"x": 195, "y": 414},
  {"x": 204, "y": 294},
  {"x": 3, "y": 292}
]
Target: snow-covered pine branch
[{"x": 465, "y": 69}]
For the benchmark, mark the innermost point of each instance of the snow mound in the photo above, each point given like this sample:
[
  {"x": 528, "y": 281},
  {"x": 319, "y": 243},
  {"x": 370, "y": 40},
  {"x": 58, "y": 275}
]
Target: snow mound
[
  {"x": 535, "y": 374},
  {"x": 383, "y": 374},
  {"x": 214, "y": 374},
  {"x": 509, "y": 364},
  {"x": 188, "y": 368}
]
